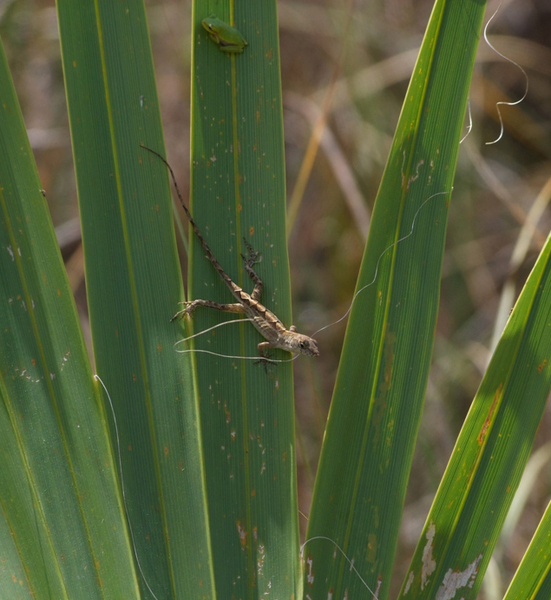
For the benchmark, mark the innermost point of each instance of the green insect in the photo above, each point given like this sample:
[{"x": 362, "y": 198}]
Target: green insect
[{"x": 226, "y": 36}]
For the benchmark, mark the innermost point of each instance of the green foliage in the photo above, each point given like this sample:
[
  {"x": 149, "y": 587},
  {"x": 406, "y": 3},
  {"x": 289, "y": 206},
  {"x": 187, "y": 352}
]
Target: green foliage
[
  {"x": 378, "y": 398},
  {"x": 63, "y": 531},
  {"x": 237, "y": 191},
  {"x": 133, "y": 285},
  {"x": 192, "y": 493}
]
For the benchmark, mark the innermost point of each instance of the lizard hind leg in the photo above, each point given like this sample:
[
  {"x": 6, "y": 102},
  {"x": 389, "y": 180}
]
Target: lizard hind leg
[
  {"x": 190, "y": 306},
  {"x": 249, "y": 264}
]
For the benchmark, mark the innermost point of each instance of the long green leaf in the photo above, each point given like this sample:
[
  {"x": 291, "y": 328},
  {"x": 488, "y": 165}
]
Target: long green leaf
[
  {"x": 133, "y": 285},
  {"x": 62, "y": 525},
  {"x": 238, "y": 190},
  {"x": 532, "y": 580},
  {"x": 378, "y": 399},
  {"x": 491, "y": 452}
]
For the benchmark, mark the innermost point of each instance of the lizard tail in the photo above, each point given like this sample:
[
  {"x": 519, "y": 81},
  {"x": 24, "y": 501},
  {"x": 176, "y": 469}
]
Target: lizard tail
[{"x": 198, "y": 233}]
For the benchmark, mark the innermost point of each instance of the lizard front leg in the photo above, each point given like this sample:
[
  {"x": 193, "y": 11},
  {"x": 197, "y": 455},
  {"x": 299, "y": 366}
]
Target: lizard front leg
[
  {"x": 264, "y": 358},
  {"x": 191, "y": 305}
]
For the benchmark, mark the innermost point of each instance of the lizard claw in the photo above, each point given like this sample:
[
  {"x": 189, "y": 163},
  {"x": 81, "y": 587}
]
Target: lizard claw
[
  {"x": 187, "y": 310},
  {"x": 253, "y": 255},
  {"x": 265, "y": 361}
]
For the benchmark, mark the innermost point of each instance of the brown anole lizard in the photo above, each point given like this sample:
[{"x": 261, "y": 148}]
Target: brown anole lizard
[{"x": 265, "y": 321}]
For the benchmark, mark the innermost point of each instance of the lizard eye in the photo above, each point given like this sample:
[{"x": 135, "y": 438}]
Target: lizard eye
[{"x": 303, "y": 344}]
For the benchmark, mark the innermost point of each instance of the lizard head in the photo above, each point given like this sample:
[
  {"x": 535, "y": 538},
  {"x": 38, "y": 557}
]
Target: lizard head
[{"x": 304, "y": 345}]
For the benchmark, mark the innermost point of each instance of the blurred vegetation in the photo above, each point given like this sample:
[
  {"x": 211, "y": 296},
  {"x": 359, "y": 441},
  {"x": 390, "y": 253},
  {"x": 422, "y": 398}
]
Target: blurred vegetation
[{"x": 499, "y": 216}]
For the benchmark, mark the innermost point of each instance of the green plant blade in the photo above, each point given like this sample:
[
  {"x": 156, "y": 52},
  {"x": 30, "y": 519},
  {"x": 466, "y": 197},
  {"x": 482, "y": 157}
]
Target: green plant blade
[
  {"x": 491, "y": 451},
  {"x": 378, "y": 399},
  {"x": 532, "y": 581},
  {"x": 62, "y": 525},
  {"x": 133, "y": 285},
  {"x": 238, "y": 190}
]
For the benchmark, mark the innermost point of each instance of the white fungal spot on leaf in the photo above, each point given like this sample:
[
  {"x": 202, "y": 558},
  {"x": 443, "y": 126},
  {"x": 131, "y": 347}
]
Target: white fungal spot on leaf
[
  {"x": 455, "y": 580},
  {"x": 429, "y": 564},
  {"x": 310, "y": 574},
  {"x": 409, "y": 581}
]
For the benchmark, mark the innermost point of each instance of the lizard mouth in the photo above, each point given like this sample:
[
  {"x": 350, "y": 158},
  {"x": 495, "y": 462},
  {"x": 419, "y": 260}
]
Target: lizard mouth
[{"x": 312, "y": 348}]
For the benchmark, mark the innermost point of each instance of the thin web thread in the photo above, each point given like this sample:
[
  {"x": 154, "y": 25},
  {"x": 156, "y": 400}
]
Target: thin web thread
[
  {"x": 498, "y": 104},
  {"x": 119, "y": 457},
  {"x": 98, "y": 378},
  {"x": 257, "y": 358},
  {"x": 470, "y": 125},
  {"x": 379, "y": 262},
  {"x": 409, "y": 234},
  {"x": 190, "y": 337},
  {"x": 352, "y": 567}
]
